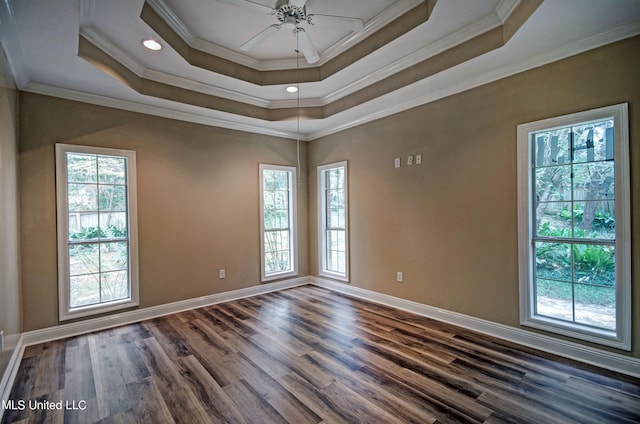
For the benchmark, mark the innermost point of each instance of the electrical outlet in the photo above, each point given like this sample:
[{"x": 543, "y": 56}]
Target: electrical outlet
[
  {"x": 418, "y": 159},
  {"x": 410, "y": 160},
  {"x": 221, "y": 274},
  {"x": 396, "y": 162},
  {"x": 399, "y": 277}
]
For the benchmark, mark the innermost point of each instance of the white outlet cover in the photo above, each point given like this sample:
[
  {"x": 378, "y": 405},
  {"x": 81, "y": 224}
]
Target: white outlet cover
[
  {"x": 418, "y": 159},
  {"x": 396, "y": 162}
]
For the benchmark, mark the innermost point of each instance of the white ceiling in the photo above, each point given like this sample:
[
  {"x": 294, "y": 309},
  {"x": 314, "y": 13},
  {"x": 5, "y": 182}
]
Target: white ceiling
[{"x": 41, "y": 39}]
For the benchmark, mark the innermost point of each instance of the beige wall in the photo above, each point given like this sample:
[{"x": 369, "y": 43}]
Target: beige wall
[
  {"x": 197, "y": 200},
  {"x": 451, "y": 224},
  {"x": 9, "y": 244}
]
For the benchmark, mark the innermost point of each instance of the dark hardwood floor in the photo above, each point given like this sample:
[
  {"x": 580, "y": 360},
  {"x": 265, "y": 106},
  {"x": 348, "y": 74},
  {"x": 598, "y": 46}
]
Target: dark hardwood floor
[{"x": 309, "y": 355}]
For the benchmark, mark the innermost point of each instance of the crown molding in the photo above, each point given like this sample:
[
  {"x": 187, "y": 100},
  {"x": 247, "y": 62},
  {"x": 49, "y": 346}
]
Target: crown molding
[
  {"x": 293, "y": 103},
  {"x": 201, "y": 59},
  {"x": 183, "y": 31},
  {"x": 467, "y": 33},
  {"x": 506, "y": 8},
  {"x": 391, "y": 13},
  {"x": 417, "y": 93},
  {"x": 161, "y": 111},
  {"x": 10, "y": 42},
  {"x": 200, "y": 87},
  {"x": 103, "y": 43},
  {"x": 172, "y": 19},
  {"x": 453, "y": 84},
  {"x": 394, "y": 11},
  {"x": 479, "y": 27},
  {"x": 429, "y": 69}
]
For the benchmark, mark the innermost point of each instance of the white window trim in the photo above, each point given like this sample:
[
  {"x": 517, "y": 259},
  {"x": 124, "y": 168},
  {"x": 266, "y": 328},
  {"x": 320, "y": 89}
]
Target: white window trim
[
  {"x": 322, "y": 210},
  {"x": 293, "y": 223},
  {"x": 621, "y": 338},
  {"x": 64, "y": 310}
]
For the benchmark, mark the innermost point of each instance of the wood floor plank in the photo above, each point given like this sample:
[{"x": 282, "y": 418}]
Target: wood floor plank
[
  {"x": 107, "y": 375},
  {"x": 252, "y": 405},
  {"x": 273, "y": 367},
  {"x": 287, "y": 405},
  {"x": 167, "y": 336},
  {"x": 216, "y": 402},
  {"x": 177, "y": 396},
  {"x": 312, "y": 397},
  {"x": 134, "y": 370},
  {"x": 311, "y": 355},
  {"x": 147, "y": 403},
  {"x": 395, "y": 405},
  {"x": 50, "y": 371}
]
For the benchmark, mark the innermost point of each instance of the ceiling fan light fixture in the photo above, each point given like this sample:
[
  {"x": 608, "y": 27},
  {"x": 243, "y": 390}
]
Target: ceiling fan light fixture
[
  {"x": 292, "y": 89},
  {"x": 290, "y": 14},
  {"x": 290, "y": 22},
  {"x": 152, "y": 44}
]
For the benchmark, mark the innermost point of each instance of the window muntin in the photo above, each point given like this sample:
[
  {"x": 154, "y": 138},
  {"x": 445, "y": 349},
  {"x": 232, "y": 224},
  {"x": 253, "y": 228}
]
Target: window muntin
[
  {"x": 277, "y": 221},
  {"x": 97, "y": 243},
  {"x": 333, "y": 221},
  {"x": 575, "y": 276}
]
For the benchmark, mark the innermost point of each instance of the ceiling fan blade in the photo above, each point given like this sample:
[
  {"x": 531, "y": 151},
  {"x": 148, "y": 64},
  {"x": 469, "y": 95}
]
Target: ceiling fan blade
[
  {"x": 352, "y": 24},
  {"x": 306, "y": 47},
  {"x": 260, "y": 8},
  {"x": 297, "y": 3},
  {"x": 260, "y": 37}
]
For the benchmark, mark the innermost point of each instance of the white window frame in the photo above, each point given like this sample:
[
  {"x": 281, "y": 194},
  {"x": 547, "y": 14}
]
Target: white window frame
[
  {"x": 621, "y": 337},
  {"x": 293, "y": 227},
  {"x": 322, "y": 222},
  {"x": 66, "y": 312}
]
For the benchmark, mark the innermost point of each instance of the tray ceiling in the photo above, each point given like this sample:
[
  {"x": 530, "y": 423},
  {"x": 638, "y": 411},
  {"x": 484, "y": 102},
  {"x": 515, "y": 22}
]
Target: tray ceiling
[{"x": 409, "y": 53}]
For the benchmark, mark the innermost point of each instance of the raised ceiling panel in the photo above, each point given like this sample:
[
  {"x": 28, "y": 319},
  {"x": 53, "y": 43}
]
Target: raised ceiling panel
[{"x": 458, "y": 45}]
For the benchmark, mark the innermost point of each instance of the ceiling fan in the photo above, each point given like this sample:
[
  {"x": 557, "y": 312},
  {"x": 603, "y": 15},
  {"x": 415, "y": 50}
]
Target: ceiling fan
[{"x": 291, "y": 13}]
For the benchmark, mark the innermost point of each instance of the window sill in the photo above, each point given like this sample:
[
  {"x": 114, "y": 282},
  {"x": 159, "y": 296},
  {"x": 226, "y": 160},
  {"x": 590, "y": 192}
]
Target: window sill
[
  {"x": 278, "y": 276},
  {"x": 87, "y": 311},
  {"x": 334, "y": 276},
  {"x": 588, "y": 334}
]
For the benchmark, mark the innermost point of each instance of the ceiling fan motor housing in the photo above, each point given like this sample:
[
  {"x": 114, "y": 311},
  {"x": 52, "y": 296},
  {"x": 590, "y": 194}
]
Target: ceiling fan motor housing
[{"x": 289, "y": 14}]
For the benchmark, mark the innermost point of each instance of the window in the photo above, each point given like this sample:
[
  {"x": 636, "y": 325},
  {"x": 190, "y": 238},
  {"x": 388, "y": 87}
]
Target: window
[
  {"x": 333, "y": 218},
  {"x": 574, "y": 220},
  {"x": 278, "y": 221},
  {"x": 97, "y": 231}
]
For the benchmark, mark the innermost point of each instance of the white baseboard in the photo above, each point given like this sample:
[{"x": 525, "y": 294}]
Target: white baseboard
[
  {"x": 130, "y": 317},
  {"x": 20, "y": 341},
  {"x": 600, "y": 358},
  {"x": 9, "y": 375},
  {"x": 604, "y": 359}
]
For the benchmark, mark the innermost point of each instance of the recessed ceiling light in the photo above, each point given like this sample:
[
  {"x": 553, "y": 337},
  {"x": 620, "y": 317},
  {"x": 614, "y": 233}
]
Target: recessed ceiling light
[
  {"x": 151, "y": 44},
  {"x": 292, "y": 89}
]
